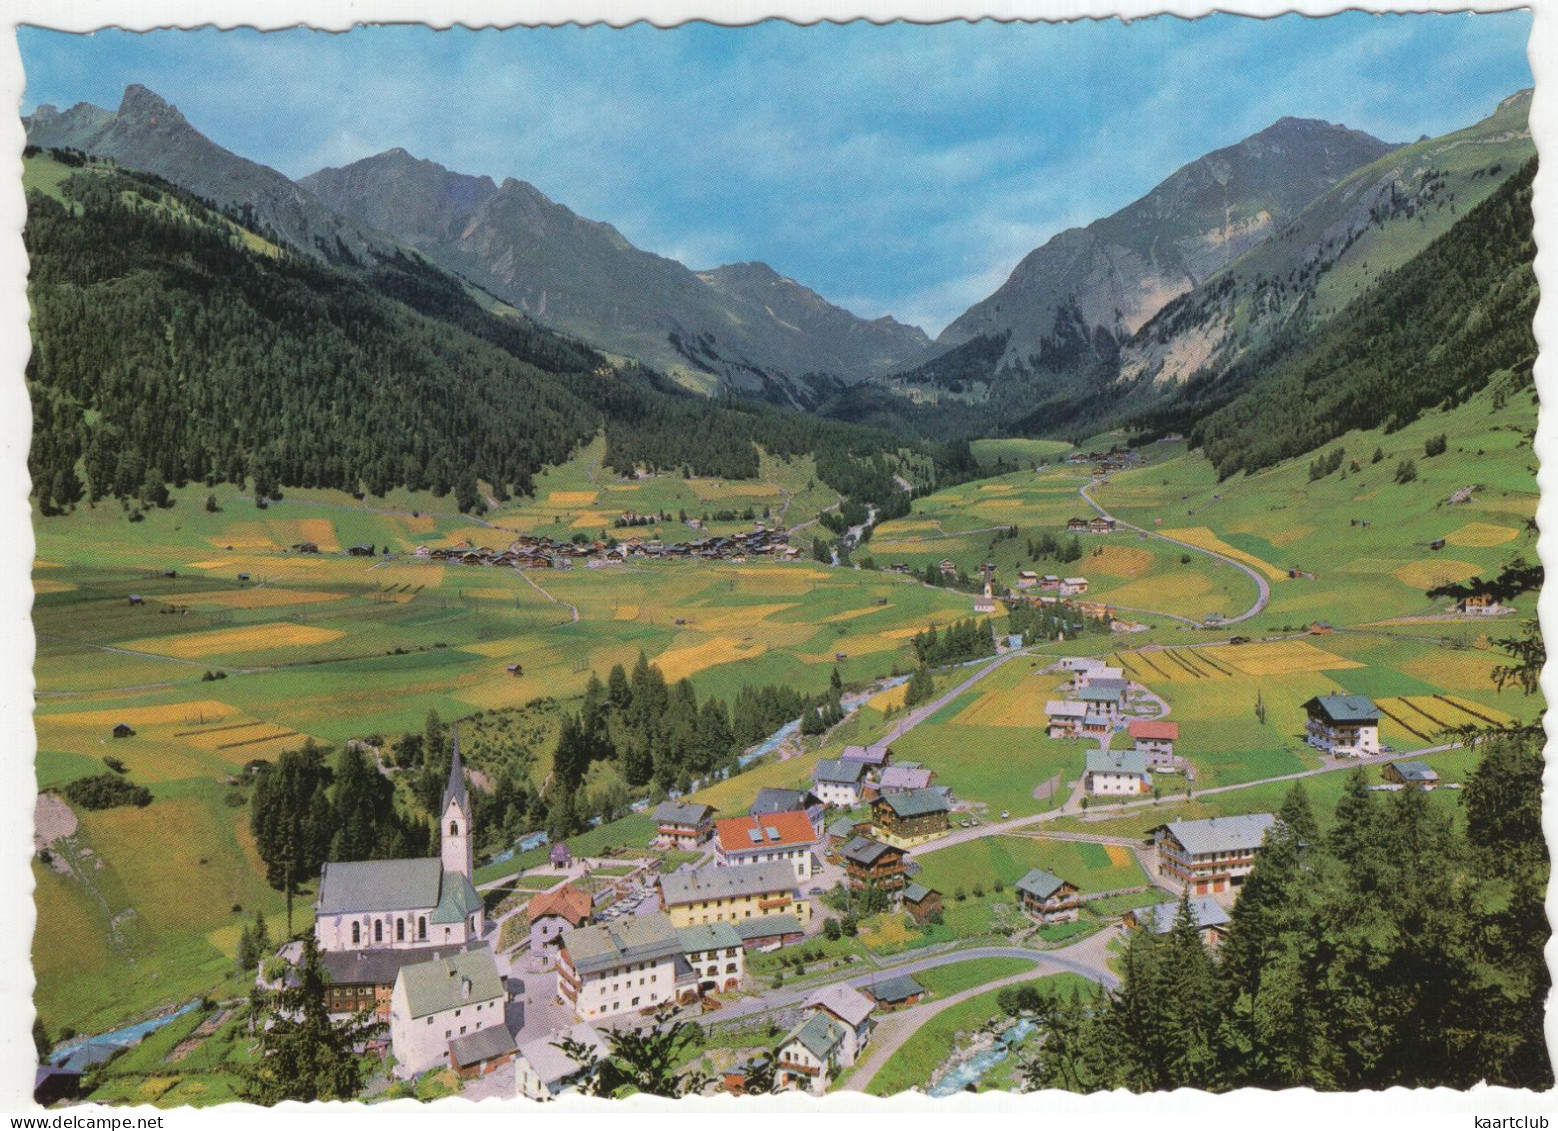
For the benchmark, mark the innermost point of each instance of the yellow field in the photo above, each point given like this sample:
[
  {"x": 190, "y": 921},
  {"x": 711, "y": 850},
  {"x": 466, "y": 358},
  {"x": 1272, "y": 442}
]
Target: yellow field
[
  {"x": 249, "y": 638},
  {"x": 1430, "y": 572},
  {"x": 1467, "y": 705},
  {"x": 191, "y": 714},
  {"x": 1119, "y": 855},
  {"x": 39, "y": 563},
  {"x": 1444, "y": 668},
  {"x": 941, "y": 547},
  {"x": 1137, "y": 667},
  {"x": 735, "y": 794},
  {"x": 1482, "y": 534},
  {"x": 997, "y": 488},
  {"x": 711, "y": 491},
  {"x": 889, "y": 700},
  {"x": 678, "y": 663},
  {"x": 1204, "y": 538},
  {"x": 590, "y": 520},
  {"x": 898, "y": 526},
  {"x": 320, "y": 531},
  {"x": 626, "y": 612},
  {"x": 291, "y": 567},
  {"x": 1018, "y": 706},
  {"x": 572, "y": 498},
  {"x": 245, "y": 536},
  {"x": 49, "y": 585},
  {"x": 1151, "y": 592},
  {"x": 707, "y": 618},
  {"x": 1285, "y": 657},
  {"x": 851, "y": 614},
  {"x": 259, "y": 598},
  {"x": 1121, "y": 561}
]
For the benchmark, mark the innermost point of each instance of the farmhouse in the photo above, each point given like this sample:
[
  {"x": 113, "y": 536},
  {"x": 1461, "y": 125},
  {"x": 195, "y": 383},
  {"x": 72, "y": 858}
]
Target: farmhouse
[
  {"x": 1101, "y": 525},
  {"x": 1344, "y": 726},
  {"x": 1214, "y": 854},
  {"x": 716, "y": 955},
  {"x": 906, "y": 819},
  {"x": 786, "y": 837},
  {"x": 1065, "y": 717},
  {"x": 1076, "y": 525},
  {"x": 1117, "y": 773},
  {"x": 840, "y": 833},
  {"x": 871, "y": 864},
  {"x": 896, "y": 992},
  {"x": 1418, "y": 775},
  {"x": 543, "y": 1071},
  {"x": 619, "y": 967},
  {"x": 1479, "y": 605},
  {"x": 921, "y": 902},
  {"x": 838, "y": 782},
  {"x": 873, "y": 758},
  {"x": 1027, "y": 579},
  {"x": 1103, "y": 699},
  {"x": 747, "y": 891},
  {"x": 682, "y": 824},
  {"x": 948, "y": 567},
  {"x": 436, "y": 1003},
  {"x": 897, "y": 779},
  {"x": 122, "y": 730},
  {"x": 1073, "y": 586},
  {"x": 851, "y": 1011},
  {"x": 1210, "y": 917},
  {"x": 1047, "y": 897},
  {"x": 401, "y": 904},
  {"x": 1155, "y": 739},
  {"x": 811, "y": 1055},
  {"x": 553, "y": 912}
]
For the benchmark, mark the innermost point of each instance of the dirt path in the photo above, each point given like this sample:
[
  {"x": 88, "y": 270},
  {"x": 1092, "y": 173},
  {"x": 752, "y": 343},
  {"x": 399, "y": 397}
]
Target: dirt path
[{"x": 574, "y": 609}]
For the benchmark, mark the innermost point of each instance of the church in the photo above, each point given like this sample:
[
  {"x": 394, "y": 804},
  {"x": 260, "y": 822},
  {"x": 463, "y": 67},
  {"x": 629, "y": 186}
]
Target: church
[{"x": 401, "y": 904}]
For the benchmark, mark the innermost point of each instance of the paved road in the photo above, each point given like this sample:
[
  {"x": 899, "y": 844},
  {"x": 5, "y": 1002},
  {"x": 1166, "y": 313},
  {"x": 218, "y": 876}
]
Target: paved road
[
  {"x": 917, "y": 716},
  {"x": 1262, "y": 586}
]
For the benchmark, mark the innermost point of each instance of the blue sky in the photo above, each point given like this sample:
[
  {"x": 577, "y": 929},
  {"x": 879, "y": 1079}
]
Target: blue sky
[{"x": 902, "y": 169}]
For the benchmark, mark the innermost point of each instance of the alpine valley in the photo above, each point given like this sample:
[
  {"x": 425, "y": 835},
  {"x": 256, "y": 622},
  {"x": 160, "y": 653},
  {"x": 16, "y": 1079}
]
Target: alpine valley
[{"x": 478, "y": 655}]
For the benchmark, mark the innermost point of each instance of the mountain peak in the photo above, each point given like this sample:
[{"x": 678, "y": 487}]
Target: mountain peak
[{"x": 140, "y": 102}]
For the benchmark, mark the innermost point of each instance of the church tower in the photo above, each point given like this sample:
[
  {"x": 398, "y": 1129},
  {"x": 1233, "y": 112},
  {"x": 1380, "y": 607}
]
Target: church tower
[{"x": 455, "y": 826}]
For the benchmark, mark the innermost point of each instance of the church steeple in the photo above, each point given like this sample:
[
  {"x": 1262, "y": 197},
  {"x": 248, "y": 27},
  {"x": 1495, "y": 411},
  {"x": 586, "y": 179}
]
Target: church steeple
[{"x": 455, "y": 824}]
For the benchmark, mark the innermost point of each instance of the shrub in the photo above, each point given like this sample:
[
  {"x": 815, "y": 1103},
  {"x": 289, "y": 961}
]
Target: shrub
[
  {"x": 114, "y": 764},
  {"x": 960, "y": 895},
  {"x": 106, "y": 791},
  {"x": 1406, "y": 471}
]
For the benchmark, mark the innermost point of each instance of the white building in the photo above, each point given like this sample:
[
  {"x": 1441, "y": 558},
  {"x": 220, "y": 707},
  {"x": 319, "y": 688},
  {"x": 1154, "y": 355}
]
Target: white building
[
  {"x": 839, "y": 782},
  {"x": 1344, "y": 726},
  {"x": 851, "y": 1011},
  {"x": 620, "y": 967},
  {"x": 811, "y": 1055},
  {"x": 544, "y": 1071},
  {"x": 1073, "y": 586},
  {"x": 1117, "y": 773},
  {"x": 760, "y": 839},
  {"x": 436, "y": 1003}
]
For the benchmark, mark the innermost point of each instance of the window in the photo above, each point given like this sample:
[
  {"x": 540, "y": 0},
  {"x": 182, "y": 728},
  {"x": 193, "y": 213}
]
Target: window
[
  {"x": 378, "y": 930},
  {"x": 400, "y": 930},
  {"x": 448, "y": 1033},
  {"x": 454, "y": 828},
  {"x": 356, "y": 934},
  {"x": 421, "y": 926},
  {"x": 429, "y": 1020},
  {"x": 635, "y": 1001}
]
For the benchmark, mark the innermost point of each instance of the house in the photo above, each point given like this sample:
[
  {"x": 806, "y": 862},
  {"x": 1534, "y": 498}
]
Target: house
[
  {"x": 1065, "y": 717},
  {"x": 851, "y": 1011},
  {"x": 948, "y": 567},
  {"x": 1102, "y": 675},
  {"x": 1103, "y": 700},
  {"x": 897, "y": 779},
  {"x": 403, "y": 904},
  {"x": 682, "y": 824},
  {"x": 1096, "y": 726},
  {"x": 715, "y": 955},
  {"x": 769, "y": 932},
  {"x": 921, "y": 902},
  {"x": 1344, "y": 726},
  {"x": 619, "y": 967},
  {"x": 811, "y": 1055},
  {"x": 1155, "y": 738},
  {"x": 1047, "y": 897},
  {"x": 1072, "y": 586},
  {"x": 913, "y": 817},
  {"x": 871, "y": 863},
  {"x": 482, "y": 1052},
  {"x": 1076, "y": 525},
  {"x": 1027, "y": 579},
  {"x": 1211, "y": 919},
  {"x": 362, "y": 550},
  {"x": 837, "y": 782},
  {"x": 560, "y": 856},
  {"x": 436, "y": 1003},
  {"x": 543, "y": 1071},
  {"x": 714, "y": 894},
  {"x": 1101, "y": 525},
  {"x": 553, "y": 912},
  {"x": 786, "y": 837},
  {"x": 1049, "y": 582},
  {"x": 1116, "y": 773},
  {"x": 515, "y": 670},
  {"x": 1214, "y": 854},
  {"x": 896, "y": 992},
  {"x": 873, "y": 758},
  {"x": 365, "y": 979},
  {"x": 1479, "y": 604},
  {"x": 122, "y": 730},
  {"x": 770, "y": 800},
  {"x": 840, "y": 833},
  {"x": 1416, "y": 774}
]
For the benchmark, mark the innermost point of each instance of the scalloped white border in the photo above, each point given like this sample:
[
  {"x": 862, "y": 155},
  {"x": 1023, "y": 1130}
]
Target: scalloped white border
[{"x": 1298, "y": 1108}]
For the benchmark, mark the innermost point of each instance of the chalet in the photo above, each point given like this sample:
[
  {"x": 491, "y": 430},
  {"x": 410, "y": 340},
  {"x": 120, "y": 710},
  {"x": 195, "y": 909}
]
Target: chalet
[
  {"x": 1065, "y": 717},
  {"x": 362, "y": 550},
  {"x": 771, "y": 800},
  {"x": 1210, "y": 917},
  {"x": 1102, "y": 699},
  {"x": 1214, "y": 854},
  {"x": 1479, "y": 605},
  {"x": 51, "y": 1084},
  {"x": 1154, "y": 738},
  {"x": 1116, "y": 773},
  {"x": 897, "y": 779},
  {"x": 896, "y": 992},
  {"x": 714, "y": 894},
  {"x": 787, "y": 837},
  {"x": 1027, "y": 579},
  {"x": 564, "y": 908},
  {"x": 683, "y": 824},
  {"x": 1101, "y": 525},
  {"x": 619, "y": 967},
  {"x": 1321, "y": 628},
  {"x": 769, "y": 932},
  {"x": 543, "y": 1071},
  {"x": 365, "y": 979},
  {"x": 948, "y": 567},
  {"x": 1049, "y": 582},
  {"x": 922, "y": 903},
  {"x": 910, "y": 818},
  {"x": 1047, "y": 897},
  {"x": 243, "y": 577},
  {"x": 1072, "y": 586},
  {"x": 1344, "y": 726},
  {"x": 1296, "y": 574},
  {"x": 515, "y": 670},
  {"x": 122, "y": 730},
  {"x": 872, "y": 864},
  {"x": 1417, "y": 775},
  {"x": 1076, "y": 525},
  {"x": 837, "y": 782},
  {"x": 435, "y": 1003},
  {"x": 1097, "y": 726},
  {"x": 811, "y": 1055},
  {"x": 851, "y": 1011}
]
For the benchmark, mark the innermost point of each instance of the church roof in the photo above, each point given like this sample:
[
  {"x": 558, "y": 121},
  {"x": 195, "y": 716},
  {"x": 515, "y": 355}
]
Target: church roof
[
  {"x": 455, "y": 790},
  {"x": 379, "y": 885},
  {"x": 457, "y": 899}
]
